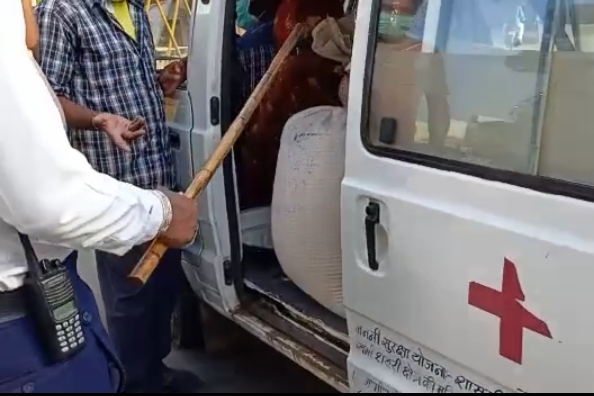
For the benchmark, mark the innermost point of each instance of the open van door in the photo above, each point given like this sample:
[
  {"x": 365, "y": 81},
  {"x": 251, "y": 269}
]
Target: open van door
[
  {"x": 195, "y": 126},
  {"x": 468, "y": 258}
]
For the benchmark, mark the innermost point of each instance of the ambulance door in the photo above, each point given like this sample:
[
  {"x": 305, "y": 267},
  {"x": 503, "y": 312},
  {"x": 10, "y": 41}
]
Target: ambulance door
[
  {"x": 195, "y": 126},
  {"x": 467, "y": 202}
]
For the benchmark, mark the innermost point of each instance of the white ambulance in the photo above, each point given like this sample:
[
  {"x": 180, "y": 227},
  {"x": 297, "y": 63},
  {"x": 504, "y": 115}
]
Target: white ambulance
[{"x": 468, "y": 265}]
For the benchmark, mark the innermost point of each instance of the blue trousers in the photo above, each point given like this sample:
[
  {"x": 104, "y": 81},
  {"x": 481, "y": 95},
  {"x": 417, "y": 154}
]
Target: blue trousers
[
  {"x": 23, "y": 366},
  {"x": 139, "y": 317}
]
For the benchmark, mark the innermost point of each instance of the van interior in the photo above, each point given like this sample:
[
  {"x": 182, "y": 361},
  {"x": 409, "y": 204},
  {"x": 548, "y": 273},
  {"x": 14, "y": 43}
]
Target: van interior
[
  {"x": 265, "y": 290},
  {"x": 259, "y": 278}
]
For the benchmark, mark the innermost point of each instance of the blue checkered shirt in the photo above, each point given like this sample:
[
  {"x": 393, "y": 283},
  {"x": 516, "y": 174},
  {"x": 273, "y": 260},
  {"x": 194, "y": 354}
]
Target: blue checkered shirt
[
  {"x": 90, "y": 60},
  {"x": 255, "y": 52}
]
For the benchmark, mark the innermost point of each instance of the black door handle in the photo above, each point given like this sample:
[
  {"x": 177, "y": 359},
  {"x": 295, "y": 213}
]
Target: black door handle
[
  {"x": 372, "y": 219},
  {"x": 175, "y": 140}
]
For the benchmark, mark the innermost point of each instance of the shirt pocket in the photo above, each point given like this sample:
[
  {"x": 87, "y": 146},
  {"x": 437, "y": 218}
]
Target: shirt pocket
[{"x": 106, "y": 49}]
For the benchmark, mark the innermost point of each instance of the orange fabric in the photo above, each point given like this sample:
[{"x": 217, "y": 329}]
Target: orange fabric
[
  {"x": 292, "y": 12},
  {"x": 305, "y": 80}
]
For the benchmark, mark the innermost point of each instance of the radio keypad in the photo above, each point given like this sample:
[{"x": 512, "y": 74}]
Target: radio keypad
[{"x": 70, "y": 334}]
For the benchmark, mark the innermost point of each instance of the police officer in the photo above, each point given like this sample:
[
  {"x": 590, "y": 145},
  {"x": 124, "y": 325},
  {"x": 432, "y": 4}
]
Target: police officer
[{"x": 50, "y": 192}]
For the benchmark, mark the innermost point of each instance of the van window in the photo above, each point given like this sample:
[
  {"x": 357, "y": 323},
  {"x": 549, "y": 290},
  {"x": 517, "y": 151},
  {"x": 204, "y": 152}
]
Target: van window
[
  {"x": 507, "y": 85},
  {"x": 171, "y": 26}
]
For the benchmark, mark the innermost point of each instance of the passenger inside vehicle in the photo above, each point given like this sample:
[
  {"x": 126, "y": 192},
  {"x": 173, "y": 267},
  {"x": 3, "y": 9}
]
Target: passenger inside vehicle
[
  {"x": 398, "y": 62},
  {"x": 254, "y": 50},
  {"x": 305, "y": 80}
]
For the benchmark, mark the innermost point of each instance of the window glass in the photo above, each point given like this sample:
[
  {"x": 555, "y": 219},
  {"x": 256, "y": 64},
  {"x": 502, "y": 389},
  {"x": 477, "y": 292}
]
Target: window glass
[
  {"x": 507, "y": 84},
  {"x": 171, "y": 26}
]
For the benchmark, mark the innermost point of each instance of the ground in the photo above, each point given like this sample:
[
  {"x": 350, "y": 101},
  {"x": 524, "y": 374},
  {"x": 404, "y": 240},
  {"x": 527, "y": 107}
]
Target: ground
[{"x": 251, "y": 368}]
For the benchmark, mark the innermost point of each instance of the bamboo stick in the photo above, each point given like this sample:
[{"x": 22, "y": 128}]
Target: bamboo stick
[{"x": 157, "y": 249}]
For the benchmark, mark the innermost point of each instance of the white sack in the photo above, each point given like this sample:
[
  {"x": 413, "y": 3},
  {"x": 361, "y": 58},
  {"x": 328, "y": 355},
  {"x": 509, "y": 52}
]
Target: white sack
[{"x": 306, "y": 203}]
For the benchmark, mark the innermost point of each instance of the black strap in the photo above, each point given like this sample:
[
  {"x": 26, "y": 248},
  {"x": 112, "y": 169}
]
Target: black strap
[{"x": 30, "y": 255}]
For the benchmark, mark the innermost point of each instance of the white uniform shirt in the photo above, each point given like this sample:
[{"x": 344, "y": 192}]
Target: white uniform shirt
[{"x": 48, "y": 190}]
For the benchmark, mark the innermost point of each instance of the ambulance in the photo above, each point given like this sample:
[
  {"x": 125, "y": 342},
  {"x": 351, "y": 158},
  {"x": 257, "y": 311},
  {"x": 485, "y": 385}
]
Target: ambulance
[{"x": 467, "y": 264}]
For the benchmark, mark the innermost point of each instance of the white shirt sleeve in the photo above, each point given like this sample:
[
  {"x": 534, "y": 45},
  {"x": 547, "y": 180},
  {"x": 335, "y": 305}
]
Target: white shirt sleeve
[{"x": 48, "y": 189}]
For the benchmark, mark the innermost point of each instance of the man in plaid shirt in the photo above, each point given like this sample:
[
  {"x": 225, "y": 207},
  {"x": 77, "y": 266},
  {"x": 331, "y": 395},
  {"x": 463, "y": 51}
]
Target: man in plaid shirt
[{"x": 98, "y": 56}]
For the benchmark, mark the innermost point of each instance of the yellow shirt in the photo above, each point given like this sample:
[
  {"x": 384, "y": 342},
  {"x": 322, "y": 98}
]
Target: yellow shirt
[{"x": 121, "y": 12}]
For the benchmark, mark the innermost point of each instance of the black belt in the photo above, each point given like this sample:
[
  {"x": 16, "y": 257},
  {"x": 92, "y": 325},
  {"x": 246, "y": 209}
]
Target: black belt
[{"x": 12, "y": 305}]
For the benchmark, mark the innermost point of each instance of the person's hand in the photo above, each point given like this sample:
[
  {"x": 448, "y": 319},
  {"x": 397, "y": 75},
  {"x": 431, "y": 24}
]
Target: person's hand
[
  {"x": 120, "y": 130},
  {"x": 184, "y": 220},
  {"x": 172, "y": 76}
]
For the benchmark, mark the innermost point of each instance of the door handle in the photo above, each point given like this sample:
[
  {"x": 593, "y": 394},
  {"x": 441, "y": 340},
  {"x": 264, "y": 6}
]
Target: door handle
[
  {"x": 372, "y": 219},
  {"x": 175, "y": 140}
]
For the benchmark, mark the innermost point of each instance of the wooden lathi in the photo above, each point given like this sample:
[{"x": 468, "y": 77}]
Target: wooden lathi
[{"x": 157, "y": 249}]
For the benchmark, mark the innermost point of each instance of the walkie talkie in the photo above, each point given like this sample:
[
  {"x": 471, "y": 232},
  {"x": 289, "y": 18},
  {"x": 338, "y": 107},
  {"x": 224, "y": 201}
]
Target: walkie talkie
[{"x": 52, "y": 304}]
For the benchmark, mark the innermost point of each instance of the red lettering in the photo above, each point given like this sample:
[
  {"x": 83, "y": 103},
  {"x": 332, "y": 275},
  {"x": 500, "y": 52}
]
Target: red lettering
[{"x": 505, "y": 304}]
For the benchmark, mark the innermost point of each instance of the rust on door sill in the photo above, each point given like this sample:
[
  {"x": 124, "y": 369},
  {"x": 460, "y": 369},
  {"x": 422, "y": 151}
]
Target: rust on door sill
[{"x": 298, "y": 353}]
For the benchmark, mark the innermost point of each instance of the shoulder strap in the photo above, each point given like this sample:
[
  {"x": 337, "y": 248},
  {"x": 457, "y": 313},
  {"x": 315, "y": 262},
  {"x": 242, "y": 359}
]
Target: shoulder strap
[{"x": 30, "y": 255}]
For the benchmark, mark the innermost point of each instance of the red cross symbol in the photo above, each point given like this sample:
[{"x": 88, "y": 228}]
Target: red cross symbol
[{"x": 505, "y": 304}]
